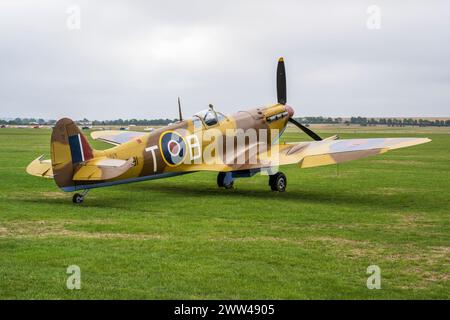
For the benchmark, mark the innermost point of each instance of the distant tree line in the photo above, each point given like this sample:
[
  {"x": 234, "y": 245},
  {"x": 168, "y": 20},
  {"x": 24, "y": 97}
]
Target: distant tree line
[
  {"x": 136, "y": 122},
  {"x": 390, "y": 122},
  {"x": 320, "y": 120},
  {"x": 27, "y": 121},
  {"x": 362, "y": 121},
  {"x": 118, "y": 122}
]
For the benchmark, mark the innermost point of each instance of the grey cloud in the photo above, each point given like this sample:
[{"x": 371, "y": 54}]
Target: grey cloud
[{"x": 132, "y": 59}]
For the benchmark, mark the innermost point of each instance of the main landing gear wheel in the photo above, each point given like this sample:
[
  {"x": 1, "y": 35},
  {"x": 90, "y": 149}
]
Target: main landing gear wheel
[
  {"x": 78, "y": 198},
  {"x": 278, "y": 182},
  {"x": 224, "y": 181}
]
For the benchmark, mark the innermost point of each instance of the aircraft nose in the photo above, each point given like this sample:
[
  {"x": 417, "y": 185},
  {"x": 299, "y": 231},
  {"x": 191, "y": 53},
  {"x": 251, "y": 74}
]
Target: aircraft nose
[{"x": 290, "y": 111}]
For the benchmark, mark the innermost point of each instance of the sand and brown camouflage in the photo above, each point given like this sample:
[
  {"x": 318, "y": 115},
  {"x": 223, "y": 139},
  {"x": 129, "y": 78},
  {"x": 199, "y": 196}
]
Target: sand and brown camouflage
[{"x": 194, "y": 145}]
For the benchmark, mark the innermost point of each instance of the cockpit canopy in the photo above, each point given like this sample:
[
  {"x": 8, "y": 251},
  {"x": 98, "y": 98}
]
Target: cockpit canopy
[{"x": 210, "y": 117}]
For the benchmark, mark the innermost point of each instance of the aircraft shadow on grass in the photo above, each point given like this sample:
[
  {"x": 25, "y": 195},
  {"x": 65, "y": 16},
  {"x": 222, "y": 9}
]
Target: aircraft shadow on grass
[
  {"x": 177, "y": 192},
  {"x": 182, "y": 193}
]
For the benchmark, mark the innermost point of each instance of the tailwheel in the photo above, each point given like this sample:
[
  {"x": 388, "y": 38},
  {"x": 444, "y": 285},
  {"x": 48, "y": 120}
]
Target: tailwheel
[
  {"x": 278, "y": 182},
  {"x": 78, "y": 198},
  {"x": 225, "y": 180}
]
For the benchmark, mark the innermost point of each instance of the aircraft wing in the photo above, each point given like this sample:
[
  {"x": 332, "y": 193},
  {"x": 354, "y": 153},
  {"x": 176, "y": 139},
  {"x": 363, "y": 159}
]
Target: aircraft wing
[
  {"x": 116, "y": 137},
  {"x": 315, "y": 153},
  {"x": 102, "y": 169},
  {"x": 319, "y": 153}
]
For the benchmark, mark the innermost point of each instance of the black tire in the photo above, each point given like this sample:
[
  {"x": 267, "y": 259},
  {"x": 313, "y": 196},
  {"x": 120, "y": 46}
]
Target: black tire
[
  {"x": 77, "y": 198},
  {"x": 278, "y": 182},
  {"x": 221, "y": 181},
  {"x": 220, "y": 178}
]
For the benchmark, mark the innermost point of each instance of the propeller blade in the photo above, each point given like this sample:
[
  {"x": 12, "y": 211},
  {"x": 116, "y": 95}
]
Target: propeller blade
[
  {"x": 309, "y": 132},
  {"x": 281, "y": 82}
]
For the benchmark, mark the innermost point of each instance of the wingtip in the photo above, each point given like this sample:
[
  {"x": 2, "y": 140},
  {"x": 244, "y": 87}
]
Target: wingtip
[
  {"x": 407, "y": 142},
  {"x": 423, "y": 140}
]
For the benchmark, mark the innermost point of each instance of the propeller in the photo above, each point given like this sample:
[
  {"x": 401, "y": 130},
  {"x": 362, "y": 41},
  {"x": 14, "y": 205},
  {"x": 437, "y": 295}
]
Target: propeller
[{"x": 282, "y": 99}]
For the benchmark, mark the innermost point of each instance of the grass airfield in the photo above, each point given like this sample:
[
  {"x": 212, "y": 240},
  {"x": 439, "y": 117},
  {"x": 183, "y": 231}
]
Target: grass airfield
[{"x": 184, "y": 238}]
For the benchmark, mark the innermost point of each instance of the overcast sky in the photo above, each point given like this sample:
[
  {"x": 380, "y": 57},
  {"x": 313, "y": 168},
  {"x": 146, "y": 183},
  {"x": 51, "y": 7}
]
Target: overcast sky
[{"x": 132, "y": 59}]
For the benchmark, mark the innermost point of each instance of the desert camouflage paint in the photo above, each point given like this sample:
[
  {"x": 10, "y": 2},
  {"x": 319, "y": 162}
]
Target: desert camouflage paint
[{"x": 247, "y": 140}]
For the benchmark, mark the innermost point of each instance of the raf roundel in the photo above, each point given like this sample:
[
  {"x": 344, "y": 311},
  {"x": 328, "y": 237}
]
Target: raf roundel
[{"x": 173, "y": 148}]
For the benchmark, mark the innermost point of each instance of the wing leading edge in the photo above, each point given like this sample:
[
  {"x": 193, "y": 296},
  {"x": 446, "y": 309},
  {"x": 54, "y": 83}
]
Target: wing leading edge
[{"x": 116, "y": 137}]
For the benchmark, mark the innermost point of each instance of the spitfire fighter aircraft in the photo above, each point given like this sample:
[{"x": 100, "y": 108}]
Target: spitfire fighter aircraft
[{"x": 234, "y": 146}]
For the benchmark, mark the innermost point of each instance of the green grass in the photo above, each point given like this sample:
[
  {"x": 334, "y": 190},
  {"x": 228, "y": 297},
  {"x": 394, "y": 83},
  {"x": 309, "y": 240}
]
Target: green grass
[{"x": 183, "y": 238}]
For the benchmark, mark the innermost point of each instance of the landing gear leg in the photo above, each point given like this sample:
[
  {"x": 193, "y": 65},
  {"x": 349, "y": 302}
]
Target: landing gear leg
[
  {"x": 225, "y": 180},
  {"x": 78, "y": 198},
  {"x": 278, "y": 182}
]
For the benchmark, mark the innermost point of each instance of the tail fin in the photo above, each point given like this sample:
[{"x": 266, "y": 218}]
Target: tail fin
[{"x": 69, "y": 149}]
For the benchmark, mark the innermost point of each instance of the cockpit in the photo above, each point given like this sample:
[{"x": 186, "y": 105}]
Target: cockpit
[{"x": 210, "y": 117}]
